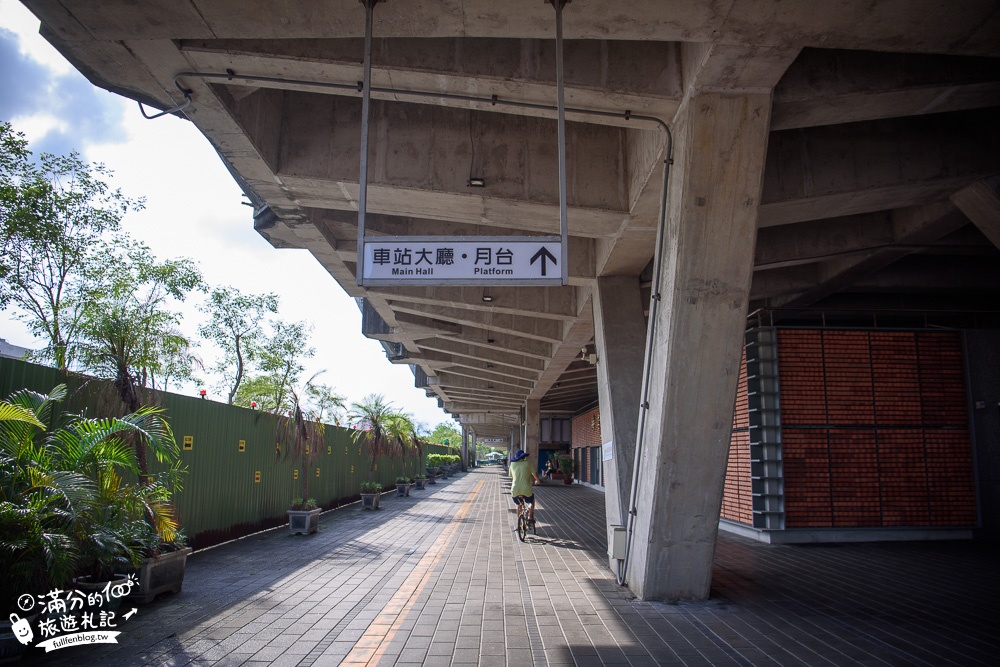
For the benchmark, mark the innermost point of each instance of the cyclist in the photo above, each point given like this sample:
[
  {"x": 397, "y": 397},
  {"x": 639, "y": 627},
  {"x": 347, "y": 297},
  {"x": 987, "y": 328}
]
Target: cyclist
[{"x": 523, "y": 477}]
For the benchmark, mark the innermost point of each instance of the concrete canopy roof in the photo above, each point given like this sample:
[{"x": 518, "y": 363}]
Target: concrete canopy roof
[{"x": 880, "y": 194}]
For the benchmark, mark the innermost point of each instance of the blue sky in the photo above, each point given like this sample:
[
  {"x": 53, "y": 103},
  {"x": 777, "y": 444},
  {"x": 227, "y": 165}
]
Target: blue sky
[{"x": 193, "y": 209}]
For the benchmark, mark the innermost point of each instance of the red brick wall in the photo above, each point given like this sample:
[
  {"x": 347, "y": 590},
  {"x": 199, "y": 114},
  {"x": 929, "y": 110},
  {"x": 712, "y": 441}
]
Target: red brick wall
[
  {"x": 737, "y": 501},
  {"x": 875, "y": 429},
  {"x": 586, "y": 433}
]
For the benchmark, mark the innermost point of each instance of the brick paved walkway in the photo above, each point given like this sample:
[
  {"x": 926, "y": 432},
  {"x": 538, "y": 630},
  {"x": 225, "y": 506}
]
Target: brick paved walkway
[{"x": 439, "y": 578}]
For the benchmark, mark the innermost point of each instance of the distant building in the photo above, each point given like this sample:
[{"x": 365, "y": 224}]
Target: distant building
[{"x": 12, "y": 351}]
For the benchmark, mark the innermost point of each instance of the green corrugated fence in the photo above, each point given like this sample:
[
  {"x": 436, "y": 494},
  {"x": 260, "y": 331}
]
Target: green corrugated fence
[{"x": 237, "y": 483}]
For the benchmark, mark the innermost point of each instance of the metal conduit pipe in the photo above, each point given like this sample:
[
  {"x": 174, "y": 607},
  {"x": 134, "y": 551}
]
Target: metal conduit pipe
[
  {"x": 654, "y": 302},
  {"x": 495, "y": 101}
]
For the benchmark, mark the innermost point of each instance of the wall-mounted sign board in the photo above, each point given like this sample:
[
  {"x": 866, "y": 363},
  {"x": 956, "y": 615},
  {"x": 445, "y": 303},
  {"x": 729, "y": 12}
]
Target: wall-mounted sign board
[{"x": 466, "y": 260}]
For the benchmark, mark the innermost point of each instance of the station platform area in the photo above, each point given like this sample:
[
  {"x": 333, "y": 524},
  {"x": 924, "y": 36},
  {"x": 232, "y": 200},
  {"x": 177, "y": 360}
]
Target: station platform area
[{"x": 440, "y": 578}]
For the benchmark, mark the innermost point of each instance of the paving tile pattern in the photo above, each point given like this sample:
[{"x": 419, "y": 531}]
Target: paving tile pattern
[{"x": 440, "y": 578}]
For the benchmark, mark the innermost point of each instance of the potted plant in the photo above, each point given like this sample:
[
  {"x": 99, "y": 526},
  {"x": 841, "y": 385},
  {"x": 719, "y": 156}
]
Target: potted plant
[
  {"x": 566, "y": 467},
  {"x": 130, "y": 520},
  {"x": 303, "y": 517},
  {"x": 162, "y": 568},
  {"x": 420, "y": 481},
  {"x": 303, "y": 438},
  {"x": 370, "y": 492},
  {"x": 433, "y": 467},
  {"x": 402, "y": 486},
  {"x": 375, "y": 423}
]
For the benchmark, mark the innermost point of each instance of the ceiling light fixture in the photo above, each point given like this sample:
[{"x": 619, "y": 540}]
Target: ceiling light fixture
[
  {"x": 477, "y": 182},
  {"x": 487, "y": 298}
]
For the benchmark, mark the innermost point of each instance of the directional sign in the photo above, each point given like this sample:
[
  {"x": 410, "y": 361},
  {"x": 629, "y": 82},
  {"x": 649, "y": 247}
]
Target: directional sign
[{"x": 466, "y": 260}]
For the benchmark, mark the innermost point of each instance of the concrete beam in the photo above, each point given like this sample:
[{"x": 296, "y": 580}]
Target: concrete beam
[
  {"x": 855, "y": 168},
  {"x": 442, "y": 361},
  {"x": 557, "y": 303},
  {"x": 578, "y": 334},
  {"x": 922, "y": 26},
  {"x": 912, "y": 228},
  {"x": 826, "y": 87},
  {"x": 602, "y": 75},
  {"x": 980, "y": 202},
  {"x": 524, "y": 326},
  {"x": 463, "y": 377},
  {"x": 497, "y": 357},
  {"x": 819, "y": 240}
]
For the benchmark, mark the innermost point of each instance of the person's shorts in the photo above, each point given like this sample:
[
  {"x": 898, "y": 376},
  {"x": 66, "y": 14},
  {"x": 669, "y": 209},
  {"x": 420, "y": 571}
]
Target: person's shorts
[{"x": 517, "y": 499}]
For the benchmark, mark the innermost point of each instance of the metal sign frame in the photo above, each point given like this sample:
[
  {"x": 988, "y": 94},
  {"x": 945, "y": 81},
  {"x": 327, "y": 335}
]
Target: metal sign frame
[
  {"x": 363, "y": 239},
  {"x": 486, "y": 280}
]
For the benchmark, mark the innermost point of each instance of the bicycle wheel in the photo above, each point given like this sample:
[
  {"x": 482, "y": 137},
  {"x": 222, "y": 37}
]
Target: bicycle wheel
[{"x": 522, "y": 526}]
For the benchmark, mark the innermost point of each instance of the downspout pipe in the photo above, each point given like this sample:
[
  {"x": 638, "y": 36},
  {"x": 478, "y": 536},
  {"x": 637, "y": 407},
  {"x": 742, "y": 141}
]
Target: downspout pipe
[{"x": 654, "y": 303}]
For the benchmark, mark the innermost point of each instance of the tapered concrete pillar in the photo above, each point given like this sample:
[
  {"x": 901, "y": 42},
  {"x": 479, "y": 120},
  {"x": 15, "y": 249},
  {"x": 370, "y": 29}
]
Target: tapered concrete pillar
[
  {"x": 715, "y": 190},
  {"x": 532, "y": 429},
  {"x": 465, "y": 448},
  {"x": 620, "y": 333}
]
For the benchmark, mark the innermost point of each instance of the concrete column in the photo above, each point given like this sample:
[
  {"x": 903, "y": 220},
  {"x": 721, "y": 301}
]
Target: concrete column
[
  {"x": 620, "y": 333},
  {"x": 715, "y": 187},
  {"x": 465, "y": 448},
  {"x": 532, "y": 428}
]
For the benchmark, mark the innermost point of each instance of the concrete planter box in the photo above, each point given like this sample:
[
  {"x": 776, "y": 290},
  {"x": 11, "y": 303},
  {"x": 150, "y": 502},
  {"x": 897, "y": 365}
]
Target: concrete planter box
[
  {"x": 107, "y": 602},
  {"x": 160, "y": 574},
  {"x": 402, "y": 490},
  {"x": 421, "y": 483},
  {"x": 303, "y": 521},
  {"x": 369, "y": 501}
]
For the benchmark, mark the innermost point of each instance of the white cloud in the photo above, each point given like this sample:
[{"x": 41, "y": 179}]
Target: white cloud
[{"x": 15, "y": 17}]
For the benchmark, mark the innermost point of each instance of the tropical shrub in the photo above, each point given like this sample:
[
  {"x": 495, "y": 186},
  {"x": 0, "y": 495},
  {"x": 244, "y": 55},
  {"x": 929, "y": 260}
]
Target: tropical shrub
[{"x": 71, "y": 498}]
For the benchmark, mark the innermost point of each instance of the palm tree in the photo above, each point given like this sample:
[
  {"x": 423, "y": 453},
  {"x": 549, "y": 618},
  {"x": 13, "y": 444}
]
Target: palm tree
[
  {"x": 400, "y": 430},
  {"x": 371, "y": 420},
  {"x": 305, "y": 427},
  {"x": 297, "y": 432}
]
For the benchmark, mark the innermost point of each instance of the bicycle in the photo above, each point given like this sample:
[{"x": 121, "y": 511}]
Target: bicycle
[{"x": 523, "y": 522}]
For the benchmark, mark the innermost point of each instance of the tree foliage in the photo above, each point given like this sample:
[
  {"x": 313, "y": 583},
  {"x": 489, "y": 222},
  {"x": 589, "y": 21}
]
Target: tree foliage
[
  {"x": 54, "y": 216},
  {"x": 325, "y": 404},
  {"x": 236, "y": 325},
  {"x": 129, "y": 329},
  {"x": 445, "y": 431},
  {"x": 283, "y": 356}
]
